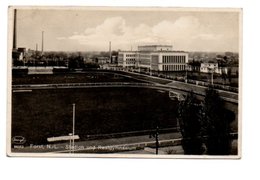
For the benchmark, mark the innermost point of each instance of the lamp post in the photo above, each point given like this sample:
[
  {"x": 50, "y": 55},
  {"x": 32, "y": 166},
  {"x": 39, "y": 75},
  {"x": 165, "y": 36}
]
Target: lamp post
[
  {"x": 70, "y": 134},
  {"x": 212, "y": 70},
  {"x": 156, "y": 136},
  {"x": 212, "y": 77},
  {"x": 157, "y": 139},
  {"x": 73, "y": 126},
  {"x": 186, "y": 78}
]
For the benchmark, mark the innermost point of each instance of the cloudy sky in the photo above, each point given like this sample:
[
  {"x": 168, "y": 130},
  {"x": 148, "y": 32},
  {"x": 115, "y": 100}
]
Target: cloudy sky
[{"x": 92, "y": 29}]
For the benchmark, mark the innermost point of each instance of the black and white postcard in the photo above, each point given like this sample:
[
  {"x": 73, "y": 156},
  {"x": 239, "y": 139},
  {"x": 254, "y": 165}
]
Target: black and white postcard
[{"x": 124, "y": 82}]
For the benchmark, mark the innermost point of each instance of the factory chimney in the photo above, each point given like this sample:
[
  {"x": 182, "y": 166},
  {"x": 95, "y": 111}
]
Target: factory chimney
[
  {"x": 14, "y": 35},
  {"x": 110, "y": 58},
  {"x": 42, "y": 41}
]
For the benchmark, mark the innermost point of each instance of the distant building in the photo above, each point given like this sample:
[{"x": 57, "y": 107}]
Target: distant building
[
  {"x": 102, "y": 60},
  {"x": 128, "y": 58},
  {"x": 30, "y": 52},
  {"x": 154, "y": 58},
  {"x": 193, "y": 68},
  {"x": 212, "y": 67},
  {"x": 113, "y": 59},
  {"x": 18, "y": 54},
  {"x": 208, "y": 67}
]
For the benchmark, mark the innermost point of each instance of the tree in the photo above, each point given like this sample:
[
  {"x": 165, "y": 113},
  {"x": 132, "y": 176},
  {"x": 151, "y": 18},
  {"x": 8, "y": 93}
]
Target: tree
[
  {"x": 190, "y": 125},
  {"x": 76, "y": 62},
  {"x": 229, "y": 75},
  {"x": 223, "y": 76},
  {"x": 216, "y": 124}
]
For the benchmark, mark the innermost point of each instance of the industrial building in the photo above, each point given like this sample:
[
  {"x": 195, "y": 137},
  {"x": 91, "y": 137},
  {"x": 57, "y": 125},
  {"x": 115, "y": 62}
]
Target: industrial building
[{"x": 153, "y": 58}]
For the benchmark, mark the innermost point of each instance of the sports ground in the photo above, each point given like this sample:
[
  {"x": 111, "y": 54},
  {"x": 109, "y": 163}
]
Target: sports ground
[{"x": 43, "y": 113}]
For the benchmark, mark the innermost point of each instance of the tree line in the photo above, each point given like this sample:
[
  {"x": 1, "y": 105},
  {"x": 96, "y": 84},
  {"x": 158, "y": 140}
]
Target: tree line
[{"x": 205, "y": 125}]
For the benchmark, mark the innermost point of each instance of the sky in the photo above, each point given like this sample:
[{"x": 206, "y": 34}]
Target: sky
[{"x": 91, "y": 29}]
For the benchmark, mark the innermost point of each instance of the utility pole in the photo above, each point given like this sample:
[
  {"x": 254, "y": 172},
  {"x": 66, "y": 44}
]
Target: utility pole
[
  {"x": 212, "y": 78},
  {"x": 212, "y": 75},
  {"x": 73, "y": 126},
  {"x": 14, "y": 31},
  {"x": 186, "y": 78},
  {"x": 157, "y": 139},
  {"x": 212, "y": 70},
  {"x": 70, "y": 134}
]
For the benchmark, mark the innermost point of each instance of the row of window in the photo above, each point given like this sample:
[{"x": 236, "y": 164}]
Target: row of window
[
  {"x": 130, "y": 61},
  {"x": 173, "y": 59},
  {"x": 173, "y": 67},
  {"x": 130, "y": 55}
]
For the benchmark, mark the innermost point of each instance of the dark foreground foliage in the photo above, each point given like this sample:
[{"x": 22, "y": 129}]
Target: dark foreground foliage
[
  {"x": 207, "y": 123},
  {"x": 216, "y": 124},
  {"x": 190, "y": 125}
]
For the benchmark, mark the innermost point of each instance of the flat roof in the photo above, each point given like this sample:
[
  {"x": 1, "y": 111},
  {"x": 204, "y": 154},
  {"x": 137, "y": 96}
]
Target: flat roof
[
  {"x": 155, "y": 45},
  {"x": 158, "y": 51}
]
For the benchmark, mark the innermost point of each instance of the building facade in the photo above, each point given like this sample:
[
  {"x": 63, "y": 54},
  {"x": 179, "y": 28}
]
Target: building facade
[
  {"x": 154, "y": 58},
  {"x": 212, "y": 67},
  {"x": 127, "y": 58}
]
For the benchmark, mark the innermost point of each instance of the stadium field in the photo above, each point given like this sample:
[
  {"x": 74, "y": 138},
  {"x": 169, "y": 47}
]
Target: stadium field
[{"x": 40, "y": 114}]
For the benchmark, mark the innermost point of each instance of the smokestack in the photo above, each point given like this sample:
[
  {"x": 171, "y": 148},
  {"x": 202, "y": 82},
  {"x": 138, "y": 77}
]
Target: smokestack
[
  {"x": 42, "y": 41},
  {"x": 36, "y": 49},
  {"x": 14, "y": 35}
]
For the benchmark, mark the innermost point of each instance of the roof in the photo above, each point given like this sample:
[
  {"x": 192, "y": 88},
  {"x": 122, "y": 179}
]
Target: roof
[
  {"x": 153, "y": 51},
  {"x": 155, "y": 45}
]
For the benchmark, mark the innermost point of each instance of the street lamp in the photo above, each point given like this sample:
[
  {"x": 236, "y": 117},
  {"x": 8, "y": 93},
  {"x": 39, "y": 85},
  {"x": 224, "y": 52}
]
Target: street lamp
[
  {"x": 73, "y": 126},
  {"x": 212, "y": 70},
  {"x": 70, "y": 134},
  {"x": 186, "y": 78},
  {"x": 156, "y": 136}
]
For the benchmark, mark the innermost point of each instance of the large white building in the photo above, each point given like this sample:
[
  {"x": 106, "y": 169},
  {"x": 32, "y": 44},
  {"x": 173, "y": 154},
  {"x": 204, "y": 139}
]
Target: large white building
[{"x": 154, "y": 58}]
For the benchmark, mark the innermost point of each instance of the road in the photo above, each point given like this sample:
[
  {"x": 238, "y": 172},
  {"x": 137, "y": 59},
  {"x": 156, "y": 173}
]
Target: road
[
  {"x": 181, "y": 85},
  {"x": 111, "y": 145}
]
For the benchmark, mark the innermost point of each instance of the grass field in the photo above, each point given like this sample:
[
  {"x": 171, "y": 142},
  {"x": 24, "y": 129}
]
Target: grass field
[{"x": 40, "y": 114}]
